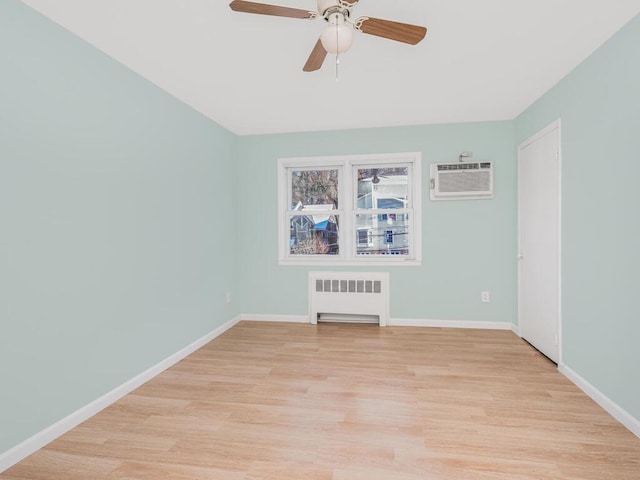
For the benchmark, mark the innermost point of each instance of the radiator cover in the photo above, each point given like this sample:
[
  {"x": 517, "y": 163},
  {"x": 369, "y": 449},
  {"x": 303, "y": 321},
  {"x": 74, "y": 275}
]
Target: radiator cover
[{"x": 349, "y": 295}]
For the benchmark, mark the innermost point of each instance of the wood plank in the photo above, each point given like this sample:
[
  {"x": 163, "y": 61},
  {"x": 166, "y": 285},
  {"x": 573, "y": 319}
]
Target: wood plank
[{"x": 348, "y": 402}]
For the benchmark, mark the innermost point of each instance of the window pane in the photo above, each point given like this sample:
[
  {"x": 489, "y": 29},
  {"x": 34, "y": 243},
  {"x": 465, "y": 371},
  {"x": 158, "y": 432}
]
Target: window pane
[
  {"x": 383, "y": 187},
  {"x": 314, "y": 235},
  {"x": 317, "y": 189},
  {"x": 384, "y": 237}
]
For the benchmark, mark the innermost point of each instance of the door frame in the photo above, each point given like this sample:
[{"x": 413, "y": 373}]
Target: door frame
[{"x": 555, "y": 125}]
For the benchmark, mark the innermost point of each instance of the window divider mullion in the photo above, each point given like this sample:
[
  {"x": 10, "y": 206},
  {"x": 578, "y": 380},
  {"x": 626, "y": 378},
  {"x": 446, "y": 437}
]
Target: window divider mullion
[{"x": 347, "y": 204}]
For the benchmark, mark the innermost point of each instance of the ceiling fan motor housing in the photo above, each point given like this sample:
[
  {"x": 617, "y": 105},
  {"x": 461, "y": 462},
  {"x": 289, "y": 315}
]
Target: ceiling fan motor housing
[{"x": 325, "y": 7}]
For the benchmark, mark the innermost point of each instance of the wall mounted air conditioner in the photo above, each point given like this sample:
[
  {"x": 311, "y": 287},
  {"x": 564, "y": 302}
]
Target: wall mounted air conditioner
[{"x": 461, "y": 180}]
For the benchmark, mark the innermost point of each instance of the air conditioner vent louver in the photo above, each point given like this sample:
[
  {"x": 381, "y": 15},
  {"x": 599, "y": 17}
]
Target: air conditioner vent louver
[
  {"x": 463, "y": 180},
  {"x": 458, "y": 166}
]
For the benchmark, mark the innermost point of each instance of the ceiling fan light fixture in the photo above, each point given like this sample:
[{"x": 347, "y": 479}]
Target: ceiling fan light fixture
[{"x": 337, "y": 38}]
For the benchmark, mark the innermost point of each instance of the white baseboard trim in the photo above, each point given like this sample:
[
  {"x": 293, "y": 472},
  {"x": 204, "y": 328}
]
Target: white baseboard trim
[
  {"x": 612, "y": 408},
  {"x": 395, "y": 322},
  {"x": 42, "y": 438},
  {"x": 414, "y": 322},
  {"x": 516, "y": 329},
  {"x": 258, "y": 317}
]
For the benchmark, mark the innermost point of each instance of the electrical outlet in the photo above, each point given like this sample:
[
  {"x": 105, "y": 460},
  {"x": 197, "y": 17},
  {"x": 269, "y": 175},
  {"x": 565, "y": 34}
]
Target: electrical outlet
[
  {"x": 228, "y": 297},
  {"x": 485, "y": 297}
]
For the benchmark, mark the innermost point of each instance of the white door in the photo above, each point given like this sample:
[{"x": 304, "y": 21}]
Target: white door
[{"x": 539, "y": 241}]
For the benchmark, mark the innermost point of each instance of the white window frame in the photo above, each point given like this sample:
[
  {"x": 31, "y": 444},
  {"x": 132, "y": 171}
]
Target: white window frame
[{"x": 348, "y": 238}]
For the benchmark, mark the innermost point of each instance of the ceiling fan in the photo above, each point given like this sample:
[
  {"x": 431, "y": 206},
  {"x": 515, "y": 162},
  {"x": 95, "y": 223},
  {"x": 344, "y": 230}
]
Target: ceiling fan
[{"x": 338, "y": 36}]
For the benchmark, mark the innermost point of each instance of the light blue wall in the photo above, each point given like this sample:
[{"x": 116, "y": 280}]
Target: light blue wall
[
  {"x": 118, "y": 243},
  {"x": 116, "y": 232},
  {"x": 468, "y": 246},
  {"x": 599, "y": 104}
]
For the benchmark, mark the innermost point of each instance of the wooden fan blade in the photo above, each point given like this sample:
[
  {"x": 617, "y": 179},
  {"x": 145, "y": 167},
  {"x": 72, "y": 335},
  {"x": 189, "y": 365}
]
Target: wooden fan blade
[
  {"x": 316, "y": 59},
  {"x": 400, "y": 32},
  {"x": 275, "y": 10}
]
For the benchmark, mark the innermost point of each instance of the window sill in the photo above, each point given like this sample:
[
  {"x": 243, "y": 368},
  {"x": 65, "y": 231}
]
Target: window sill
[{"x": 351, "y": 263}]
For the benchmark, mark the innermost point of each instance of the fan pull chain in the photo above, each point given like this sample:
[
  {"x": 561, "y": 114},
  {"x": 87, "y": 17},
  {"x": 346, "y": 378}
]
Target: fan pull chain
[{"x": 337, "y": 55}]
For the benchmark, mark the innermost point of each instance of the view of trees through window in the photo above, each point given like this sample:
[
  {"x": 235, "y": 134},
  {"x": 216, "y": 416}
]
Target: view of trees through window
[
  {"x": 314, "y": 198},
  {"x": 314, "y": 187},
  {"x": 361, "y": 209},
  {"x": 377, "y": 173}
]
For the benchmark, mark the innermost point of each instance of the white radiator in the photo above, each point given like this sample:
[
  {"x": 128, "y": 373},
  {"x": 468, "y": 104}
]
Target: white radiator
[{"x": 354, "y": 297}]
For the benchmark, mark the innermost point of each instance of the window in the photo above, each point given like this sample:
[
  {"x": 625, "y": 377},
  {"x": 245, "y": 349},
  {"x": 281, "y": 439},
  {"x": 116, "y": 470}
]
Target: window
[
  {"x": 354, "y": 210},
  {"x": 364, "y": 237}
]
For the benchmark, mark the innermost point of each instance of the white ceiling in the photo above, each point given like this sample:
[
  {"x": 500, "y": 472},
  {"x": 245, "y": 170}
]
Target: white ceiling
[{"x": 481, "y": 60}]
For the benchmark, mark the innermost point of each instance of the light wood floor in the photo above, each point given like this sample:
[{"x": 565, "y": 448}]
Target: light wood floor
[{"x": 348, "y": 402}]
